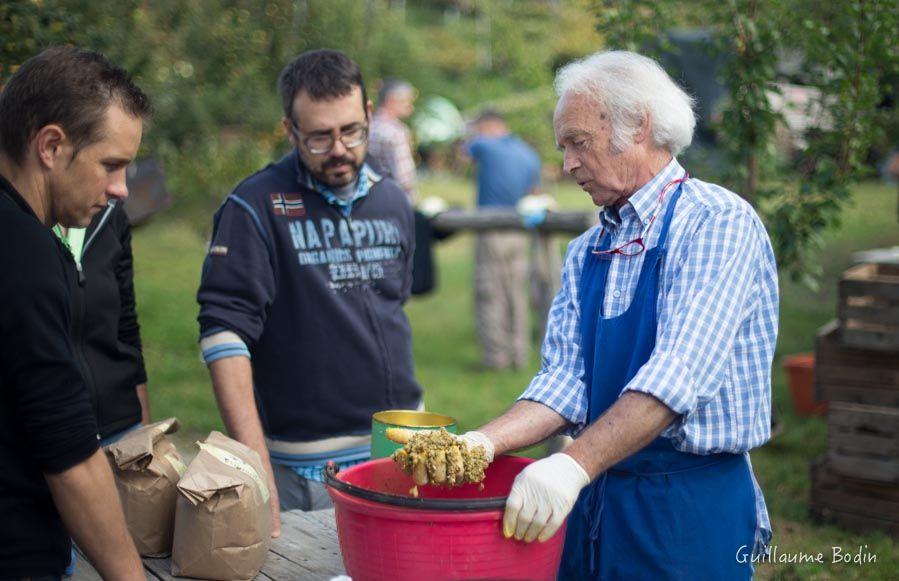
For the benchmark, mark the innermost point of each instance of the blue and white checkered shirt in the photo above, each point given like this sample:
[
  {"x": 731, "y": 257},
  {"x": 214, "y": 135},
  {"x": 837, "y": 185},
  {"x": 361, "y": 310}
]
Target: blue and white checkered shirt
[{"x": 717, "y": 320}]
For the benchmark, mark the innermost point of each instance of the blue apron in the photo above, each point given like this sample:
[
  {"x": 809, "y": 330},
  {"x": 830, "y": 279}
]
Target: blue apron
[{"x": 661, "y": 513}]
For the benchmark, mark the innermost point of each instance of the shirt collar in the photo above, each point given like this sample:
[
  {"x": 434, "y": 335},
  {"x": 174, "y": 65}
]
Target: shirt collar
[
  {"x": 14, "y": 195},
  {"x": 367, "y": 178},
  {"x": 642, "y": 204}
]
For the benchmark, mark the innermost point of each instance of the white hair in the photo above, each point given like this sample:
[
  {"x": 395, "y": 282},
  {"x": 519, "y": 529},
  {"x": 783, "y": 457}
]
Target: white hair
[{"x": 629, "y": 86}]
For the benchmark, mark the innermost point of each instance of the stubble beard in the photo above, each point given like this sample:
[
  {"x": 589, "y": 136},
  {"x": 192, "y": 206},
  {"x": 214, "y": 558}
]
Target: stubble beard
[{"x": 322, "y": 176}]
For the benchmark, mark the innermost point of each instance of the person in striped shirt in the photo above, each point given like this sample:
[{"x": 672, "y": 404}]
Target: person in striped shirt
[
  {"x": 390, "y": 141},
  {"x": 658, "y": 352}
]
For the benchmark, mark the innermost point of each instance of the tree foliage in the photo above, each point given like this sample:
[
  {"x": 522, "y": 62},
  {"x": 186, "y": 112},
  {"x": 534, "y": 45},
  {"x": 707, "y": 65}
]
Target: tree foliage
[
  {"x": 210, "y": 67},
  {"x": 850, "y": 51}
]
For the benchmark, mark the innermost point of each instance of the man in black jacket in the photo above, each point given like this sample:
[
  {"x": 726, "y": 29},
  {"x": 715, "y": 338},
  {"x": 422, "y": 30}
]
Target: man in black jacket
[
  {"x": 105, "y": 332},
  {"x": 70, "y": 123}
]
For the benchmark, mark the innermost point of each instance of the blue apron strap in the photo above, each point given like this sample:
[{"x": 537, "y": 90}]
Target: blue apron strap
[{"x": 591, "y": 302}]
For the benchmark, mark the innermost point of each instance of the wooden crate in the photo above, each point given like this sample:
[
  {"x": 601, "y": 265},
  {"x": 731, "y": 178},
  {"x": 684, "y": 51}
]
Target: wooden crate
[
  {"x": 863, "y": 441},
  {"x": 869, "y": 306},
  {"x": 844, "y": 374},
  {"x": 856, "y": 504}
]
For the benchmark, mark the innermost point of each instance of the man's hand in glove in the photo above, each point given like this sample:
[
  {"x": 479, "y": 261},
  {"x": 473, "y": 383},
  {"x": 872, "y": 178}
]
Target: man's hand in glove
[
  {"x": 438, "y": 457},
  {"x": 471, "y": 439},
  {"x": 542, "y": 496}
]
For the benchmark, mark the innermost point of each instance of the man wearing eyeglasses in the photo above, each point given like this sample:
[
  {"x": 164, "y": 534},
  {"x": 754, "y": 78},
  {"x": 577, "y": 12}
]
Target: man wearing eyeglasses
[
  {"x": 301, "y": 297},
  {"x": 658, "y": 350}
]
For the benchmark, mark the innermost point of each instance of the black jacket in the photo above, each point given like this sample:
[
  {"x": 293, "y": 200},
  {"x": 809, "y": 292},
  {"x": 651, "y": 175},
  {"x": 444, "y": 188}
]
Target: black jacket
[
  {"x": 105, "y": 332},
  {"x": 46, "y": 424}
]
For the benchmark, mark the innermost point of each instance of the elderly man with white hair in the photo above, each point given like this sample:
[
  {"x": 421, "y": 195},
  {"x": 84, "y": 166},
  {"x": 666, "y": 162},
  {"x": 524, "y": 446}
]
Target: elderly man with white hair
[{"x": 658, "y": 350}]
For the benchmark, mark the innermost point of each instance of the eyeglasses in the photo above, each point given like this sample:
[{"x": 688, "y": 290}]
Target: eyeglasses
[
  {"x": 637, "y": 245},
  {"x": 322, "y": 143}
]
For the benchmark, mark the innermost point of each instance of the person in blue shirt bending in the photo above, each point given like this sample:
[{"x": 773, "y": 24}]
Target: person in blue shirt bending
[{"x": 507, "y": 170}]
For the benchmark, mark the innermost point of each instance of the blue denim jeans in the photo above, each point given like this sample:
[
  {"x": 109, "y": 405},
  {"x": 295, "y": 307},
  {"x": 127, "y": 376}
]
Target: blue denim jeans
[{"x": 113, "y": 438}]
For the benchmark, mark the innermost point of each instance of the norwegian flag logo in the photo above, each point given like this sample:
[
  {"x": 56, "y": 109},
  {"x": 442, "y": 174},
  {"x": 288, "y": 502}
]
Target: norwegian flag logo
[{"x": 288, "y": 204}]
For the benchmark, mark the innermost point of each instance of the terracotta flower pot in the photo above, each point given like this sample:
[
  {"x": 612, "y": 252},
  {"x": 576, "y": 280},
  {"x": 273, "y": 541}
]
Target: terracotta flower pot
[{"x": 801, "y": 374}]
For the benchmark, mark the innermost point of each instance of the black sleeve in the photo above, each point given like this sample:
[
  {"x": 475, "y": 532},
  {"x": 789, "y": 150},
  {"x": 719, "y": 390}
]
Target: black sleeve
[
  {"x": 51, "y": 403},
  {"x": 129, "y": 328}
]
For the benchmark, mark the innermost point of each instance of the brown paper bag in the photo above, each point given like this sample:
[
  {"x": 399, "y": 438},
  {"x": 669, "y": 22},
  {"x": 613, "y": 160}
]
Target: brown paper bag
[
  {"x": 223, "y": 523},
  {"x": 147, "y": 467}
]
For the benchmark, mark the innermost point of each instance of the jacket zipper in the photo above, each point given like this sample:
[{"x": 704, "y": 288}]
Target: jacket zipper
[
  {"x": 82, "y": 278},
  {"x": 110, "y": 207},
  {"x": 77, "y": 346},
  {"x": 78, "y": 314},
  {"x": 366, "y": 300}
]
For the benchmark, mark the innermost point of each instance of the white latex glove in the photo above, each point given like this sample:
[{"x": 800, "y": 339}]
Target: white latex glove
[
  {"x": 542, "y": 496},
  {"x": 432, "y": 205},
  {"x": 434, "y": 468},
  {"x": 474, "y": 439},
  {"x": 470, "y": 439}
]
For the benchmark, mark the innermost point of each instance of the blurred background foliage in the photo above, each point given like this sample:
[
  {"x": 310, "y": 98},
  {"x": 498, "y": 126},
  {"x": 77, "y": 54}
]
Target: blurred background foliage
[
  {"x": 211, "y": 66},
  {"x": 808, "y": 104}
]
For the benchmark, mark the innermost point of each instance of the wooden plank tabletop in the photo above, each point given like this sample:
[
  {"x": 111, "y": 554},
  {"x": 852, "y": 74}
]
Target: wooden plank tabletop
[{"x": 307, "y": 549}]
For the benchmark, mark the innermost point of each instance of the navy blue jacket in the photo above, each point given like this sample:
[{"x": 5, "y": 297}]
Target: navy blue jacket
[{"x": 318, "y": 299}]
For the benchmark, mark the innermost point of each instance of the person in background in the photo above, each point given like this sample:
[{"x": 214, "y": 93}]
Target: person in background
[
  {"x": 105, "y": 332},
  {"x": 390, "y": 141},
  {"x": 658, "y": 351},
  {"x": 390, "y": 148},
  {"x": 507, "y": 170},
  {"x": 70, "y": 123},
  {"x": 302, "y": 290}
]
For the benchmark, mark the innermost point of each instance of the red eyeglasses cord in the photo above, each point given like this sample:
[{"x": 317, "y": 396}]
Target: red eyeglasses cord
[{"x": 638, "y": 243}]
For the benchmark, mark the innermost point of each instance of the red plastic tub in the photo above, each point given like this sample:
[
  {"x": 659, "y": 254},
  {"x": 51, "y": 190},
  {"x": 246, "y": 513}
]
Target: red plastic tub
[{"x": 445, "y": 534}]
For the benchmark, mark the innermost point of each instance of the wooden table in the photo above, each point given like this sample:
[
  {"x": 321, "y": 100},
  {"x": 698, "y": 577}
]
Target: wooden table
[{"x": 307, "y": 549}]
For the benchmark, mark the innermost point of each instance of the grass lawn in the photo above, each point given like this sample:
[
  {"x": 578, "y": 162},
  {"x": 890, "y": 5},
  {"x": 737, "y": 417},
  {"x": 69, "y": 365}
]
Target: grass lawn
[{"x": 169, "y": 253}]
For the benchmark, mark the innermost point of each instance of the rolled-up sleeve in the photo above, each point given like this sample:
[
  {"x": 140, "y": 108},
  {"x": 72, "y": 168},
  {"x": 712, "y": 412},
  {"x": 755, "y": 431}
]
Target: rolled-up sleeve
[
  {"x": 560, "y": 383},
  {"x": 708, "y": 302}
]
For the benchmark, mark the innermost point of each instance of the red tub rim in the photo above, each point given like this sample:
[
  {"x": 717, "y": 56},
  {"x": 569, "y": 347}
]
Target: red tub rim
[
  {"x": 433, "y": 504},
  {"x": 334, "y": 483},
  {"x": 346, "y": 502}
]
